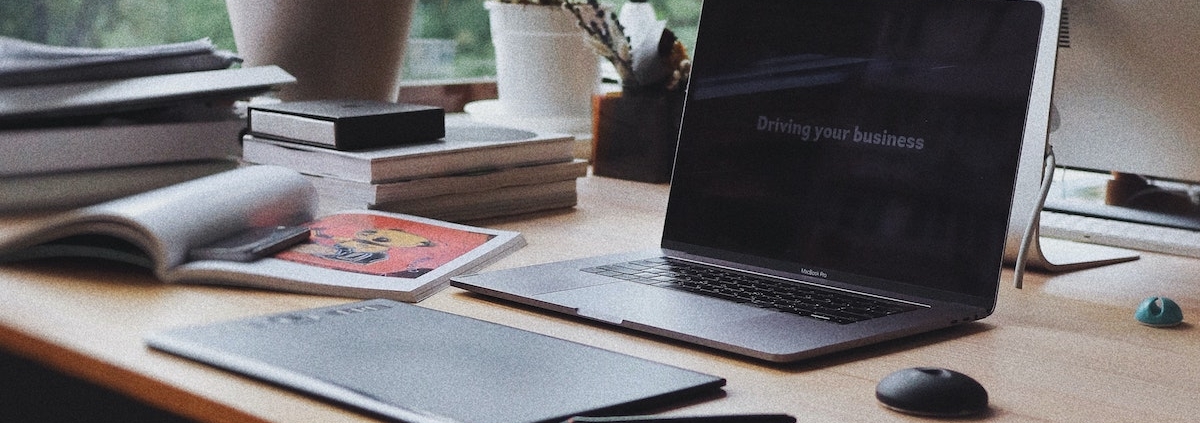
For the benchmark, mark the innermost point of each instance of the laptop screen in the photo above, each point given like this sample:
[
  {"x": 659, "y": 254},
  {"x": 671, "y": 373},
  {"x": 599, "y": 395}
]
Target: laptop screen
[{"x": 869, "y": 141}]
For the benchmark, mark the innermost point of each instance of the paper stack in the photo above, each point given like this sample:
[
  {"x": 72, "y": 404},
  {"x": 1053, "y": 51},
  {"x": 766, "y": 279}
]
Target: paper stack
[
  {"x": 476, "y": 171},
  {"x": 81, "y": 126}
]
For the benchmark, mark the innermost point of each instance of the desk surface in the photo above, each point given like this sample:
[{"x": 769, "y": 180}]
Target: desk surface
[{"x": 1064, "y": 348}]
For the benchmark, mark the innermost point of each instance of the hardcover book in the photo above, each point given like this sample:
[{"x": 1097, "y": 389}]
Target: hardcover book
[
  {"x": 467, "y": 147},
  {"x": 361, "y": 254},
  {"x": 62, "y": 190},
  {"x": 77, "y": 148},
  {"x": 504, "y": 201},
  {"x": 91, "y": 98},
  {"x": 364, "y": 194},
  {"x": 347, "y": 124}
]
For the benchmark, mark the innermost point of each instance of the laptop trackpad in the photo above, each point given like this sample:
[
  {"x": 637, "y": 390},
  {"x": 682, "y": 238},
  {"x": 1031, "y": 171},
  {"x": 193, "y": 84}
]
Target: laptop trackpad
[{"x": 652, "y": 306}]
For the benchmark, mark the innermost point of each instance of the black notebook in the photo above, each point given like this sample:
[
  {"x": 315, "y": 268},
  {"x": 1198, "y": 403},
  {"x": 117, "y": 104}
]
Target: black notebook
[{"x": 418, "y": 365}]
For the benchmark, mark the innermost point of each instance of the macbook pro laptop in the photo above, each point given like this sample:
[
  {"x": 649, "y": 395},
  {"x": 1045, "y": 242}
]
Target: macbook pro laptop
[{"x": 844, "y": 175}]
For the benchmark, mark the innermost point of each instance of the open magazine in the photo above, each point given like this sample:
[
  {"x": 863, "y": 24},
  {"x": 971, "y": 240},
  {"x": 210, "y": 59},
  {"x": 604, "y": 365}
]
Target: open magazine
[{"x": 186, "y": 233}]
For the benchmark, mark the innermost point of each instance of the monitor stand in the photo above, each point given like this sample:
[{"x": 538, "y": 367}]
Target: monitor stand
[{"x": 1058, "y": 255}]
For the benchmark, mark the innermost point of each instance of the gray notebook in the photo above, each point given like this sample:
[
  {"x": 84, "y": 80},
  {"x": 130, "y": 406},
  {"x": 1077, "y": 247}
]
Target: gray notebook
[{"x": 414, "y": 364}]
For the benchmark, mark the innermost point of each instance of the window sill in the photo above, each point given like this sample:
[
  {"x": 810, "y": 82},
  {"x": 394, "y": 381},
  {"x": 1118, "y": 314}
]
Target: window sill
[{"x": 449, "y": 94}]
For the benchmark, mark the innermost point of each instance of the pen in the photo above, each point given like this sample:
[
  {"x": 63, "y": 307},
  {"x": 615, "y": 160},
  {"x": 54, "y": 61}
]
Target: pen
[{"x": 741, "y": 418}]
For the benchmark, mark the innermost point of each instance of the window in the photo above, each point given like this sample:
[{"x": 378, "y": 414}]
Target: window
[
  {"x": 451, "y": 38},
  {"x": 463, "y": 25},
  {"x": 458, "y": 26}
]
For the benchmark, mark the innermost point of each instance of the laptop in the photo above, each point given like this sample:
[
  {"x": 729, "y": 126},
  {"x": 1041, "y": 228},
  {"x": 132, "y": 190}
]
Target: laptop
[{"x": 845, "y": 172}]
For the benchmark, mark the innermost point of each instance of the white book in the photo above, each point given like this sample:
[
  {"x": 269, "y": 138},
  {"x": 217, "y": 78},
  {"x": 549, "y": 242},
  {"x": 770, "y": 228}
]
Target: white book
[
  {"x": 75, "y": 148},
  {"x": 468, "y": 147},
  {"x": 475, "y": 182},
  {"x": 137, "y": 93},
  {"x": 363, "y": 254},
  {"x": 62, "y": 190}
]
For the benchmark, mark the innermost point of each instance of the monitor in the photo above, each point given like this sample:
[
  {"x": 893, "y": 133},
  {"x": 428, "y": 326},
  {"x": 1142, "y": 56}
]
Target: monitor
[{"x": 1127, "y": 88}]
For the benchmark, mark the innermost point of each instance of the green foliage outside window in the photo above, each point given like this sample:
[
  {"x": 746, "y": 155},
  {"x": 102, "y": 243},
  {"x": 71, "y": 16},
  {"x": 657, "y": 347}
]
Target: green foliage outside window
[{"x": 115, "y": 23}]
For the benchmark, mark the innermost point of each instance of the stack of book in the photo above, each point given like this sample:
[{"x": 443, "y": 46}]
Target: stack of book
[
  {"x": 82, "y": 126},
  {"x": 475, "y": 171}
]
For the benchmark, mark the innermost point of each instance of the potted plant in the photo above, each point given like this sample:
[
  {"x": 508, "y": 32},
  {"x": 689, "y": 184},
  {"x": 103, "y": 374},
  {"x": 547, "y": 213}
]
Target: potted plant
[
  {"x": 545, "y": 70},
  {"x": 657, "y": 62},
  {"x": 334, "y": 48},
  {"x": 635, "y": 130}
]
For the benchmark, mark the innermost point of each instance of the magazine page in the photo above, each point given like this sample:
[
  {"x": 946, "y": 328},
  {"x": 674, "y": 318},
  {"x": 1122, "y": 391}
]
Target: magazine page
[
  {"x": 366, "y": 254},
  {"x": 166, "y": 223}
]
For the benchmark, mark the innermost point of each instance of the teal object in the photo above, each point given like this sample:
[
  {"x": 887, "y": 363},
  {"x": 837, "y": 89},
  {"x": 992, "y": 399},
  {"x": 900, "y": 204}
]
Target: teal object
[{"x": 1159, "y": 312}]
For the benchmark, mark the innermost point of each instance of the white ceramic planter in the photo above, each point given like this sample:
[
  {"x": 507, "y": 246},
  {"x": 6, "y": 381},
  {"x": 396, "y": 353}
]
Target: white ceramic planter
[{"x": 545, "y": 68}]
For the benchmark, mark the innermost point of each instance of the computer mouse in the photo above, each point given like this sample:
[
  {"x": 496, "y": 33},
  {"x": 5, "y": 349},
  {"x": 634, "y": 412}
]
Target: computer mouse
[{"x": 932, "y": 391}]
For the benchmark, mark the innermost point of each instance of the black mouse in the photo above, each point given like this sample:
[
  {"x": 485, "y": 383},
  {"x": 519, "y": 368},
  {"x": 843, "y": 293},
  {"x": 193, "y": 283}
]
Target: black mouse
[{"x": 932, "y": 391}]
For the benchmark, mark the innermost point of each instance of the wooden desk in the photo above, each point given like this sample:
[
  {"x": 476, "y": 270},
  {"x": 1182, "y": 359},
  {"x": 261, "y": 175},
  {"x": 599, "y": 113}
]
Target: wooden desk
[{"x": 1064, "y": 348}]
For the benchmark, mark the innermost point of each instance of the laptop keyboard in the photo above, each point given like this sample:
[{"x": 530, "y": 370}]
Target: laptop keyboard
[{"x": 760, "y": 291}]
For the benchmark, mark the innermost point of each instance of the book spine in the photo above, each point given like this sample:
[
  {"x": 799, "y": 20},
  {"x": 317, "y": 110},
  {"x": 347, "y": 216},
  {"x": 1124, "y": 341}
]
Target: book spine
[{"x": 293, "y": 128}]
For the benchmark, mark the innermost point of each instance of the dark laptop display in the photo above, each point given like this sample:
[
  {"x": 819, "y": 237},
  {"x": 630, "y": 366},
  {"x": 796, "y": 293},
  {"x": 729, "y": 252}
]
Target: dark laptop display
[
  {"x": 855, "y": 140},
  {"x": 844, "y": 175}
]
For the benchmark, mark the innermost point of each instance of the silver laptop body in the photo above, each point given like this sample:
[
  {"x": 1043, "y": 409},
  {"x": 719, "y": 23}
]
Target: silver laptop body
[{"x": 866, "y": 147}]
